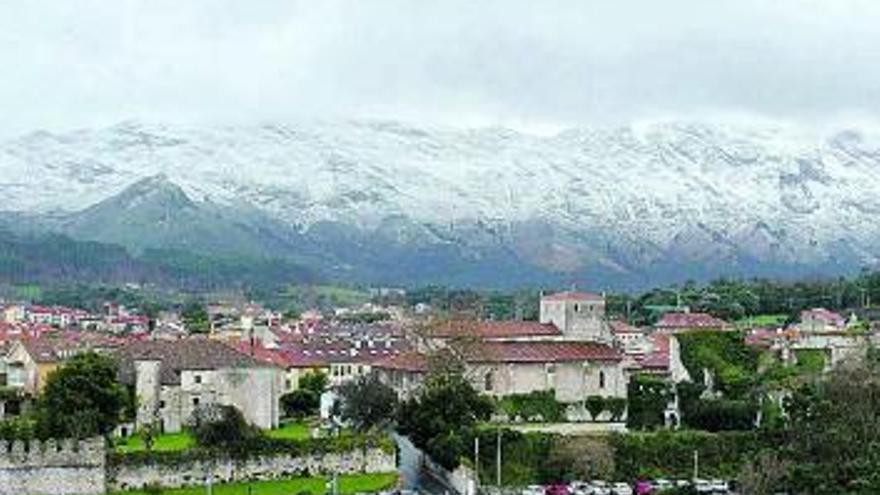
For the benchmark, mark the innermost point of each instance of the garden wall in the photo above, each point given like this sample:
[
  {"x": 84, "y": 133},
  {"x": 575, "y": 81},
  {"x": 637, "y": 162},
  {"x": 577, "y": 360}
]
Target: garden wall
[
  {"x": 125, "y": 476},
  {"x": 52, "y": 468}
]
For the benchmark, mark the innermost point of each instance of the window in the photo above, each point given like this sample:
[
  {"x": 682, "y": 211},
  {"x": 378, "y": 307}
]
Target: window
[
  {"x": 195, "y": 402},
  {"x": 161, "y": 404},
  {"x": 577, "y": 308},
  {"x": 601, "y": 379},
  {"x": 488, "y": 381},
  {"x": 197, "y": 378}
]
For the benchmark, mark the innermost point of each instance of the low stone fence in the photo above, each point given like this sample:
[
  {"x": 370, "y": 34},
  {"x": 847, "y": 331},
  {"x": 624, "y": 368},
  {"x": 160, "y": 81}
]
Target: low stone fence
[
  {"x": 123, "y": 476},
  {"x": 82, "y": 468},
  {"x": 53, "y": 468}
]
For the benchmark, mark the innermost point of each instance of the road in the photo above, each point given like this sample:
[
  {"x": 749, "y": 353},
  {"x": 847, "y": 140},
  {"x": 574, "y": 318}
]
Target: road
[{"x": 412, "y": 476}]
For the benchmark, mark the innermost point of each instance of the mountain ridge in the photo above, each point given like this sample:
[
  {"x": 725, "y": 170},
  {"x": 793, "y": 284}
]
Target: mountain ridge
[{"x": 629, "y": 205}]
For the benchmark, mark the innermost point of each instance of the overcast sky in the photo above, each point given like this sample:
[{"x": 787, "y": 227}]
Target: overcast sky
[{"x": 526, "y": 64}]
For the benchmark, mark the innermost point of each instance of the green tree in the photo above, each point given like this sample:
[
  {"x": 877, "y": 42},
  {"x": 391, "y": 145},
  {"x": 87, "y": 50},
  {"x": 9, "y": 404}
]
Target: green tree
[
  {"x": 300, "y": 403},
  {"x": 441, "y": 417},
  {"x": 316, "y": 381},
  {"x": 82, "y": 398},
  {"x": 367, "y": 403},
  {"x": 833, "y": 435},
  {"x": 222, "y": 427},
  {"x": 196, "y": 318}
]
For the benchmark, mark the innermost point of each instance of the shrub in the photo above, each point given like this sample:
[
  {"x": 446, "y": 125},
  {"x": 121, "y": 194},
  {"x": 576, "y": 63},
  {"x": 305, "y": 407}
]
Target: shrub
[
  {"x": 647, "y": 397},
  {"x": 300, "y": 403},
  {"x": 539, "y": 403},
  {"x": 595, "y": 405},
  {"x": 616, "y": 406},
  {"x": 670, "y": 454},
  {"x": 224, "y": 428},
  {"x": 18, "y": 428},
  {"x": 721, "y": 415},
  {"x": 810, "y": 360}
]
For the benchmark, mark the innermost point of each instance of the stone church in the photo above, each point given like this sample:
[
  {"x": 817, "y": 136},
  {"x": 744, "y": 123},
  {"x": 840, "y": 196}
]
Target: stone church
[{"x": 569, "y": 350}]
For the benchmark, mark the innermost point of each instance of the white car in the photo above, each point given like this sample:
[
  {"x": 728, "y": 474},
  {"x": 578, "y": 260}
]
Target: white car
[
  {"x": 703, "y": 486},
  {"x": 621, "y": 489},
  {"x": 580, "y": 488},
  {"x": 533, "y": 490},
  {"x": 661, "y": 485},
  {"x": 600, "y": 487},
  {"x": 719, "y": 486}
]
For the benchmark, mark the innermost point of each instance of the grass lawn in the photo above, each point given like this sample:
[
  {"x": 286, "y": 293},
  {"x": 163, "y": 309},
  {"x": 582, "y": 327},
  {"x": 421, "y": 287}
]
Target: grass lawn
[
  {"x": 762, "y": 321},
  {"x": 348, "y": 485},
  {"x": 295, "y": 430},
  {"x": 168, "y": 442}
]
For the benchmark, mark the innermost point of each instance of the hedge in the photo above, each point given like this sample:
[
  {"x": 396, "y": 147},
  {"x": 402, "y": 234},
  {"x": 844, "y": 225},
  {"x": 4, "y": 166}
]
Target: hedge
[{"x": 670, "y": 454}]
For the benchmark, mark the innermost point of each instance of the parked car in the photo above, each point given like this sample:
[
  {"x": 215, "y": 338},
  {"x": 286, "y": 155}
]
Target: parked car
[
  {"x": 557, "y": 489},
  {"x": 644, "y": 487},
  {"x": 703, "y": 486},
  {"x": 580, "y": 488},
  {"x": 600, "y": 487},
  {"x": 719, "y": 486},
  {"x": 662, "y": 484},
  {"x": 533, "y": 490},
  {"x": 621, "y": 488}
]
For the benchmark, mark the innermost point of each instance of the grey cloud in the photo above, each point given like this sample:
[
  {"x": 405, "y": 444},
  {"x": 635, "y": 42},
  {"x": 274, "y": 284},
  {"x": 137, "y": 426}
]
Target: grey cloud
[{"x": 81, "y": 63}]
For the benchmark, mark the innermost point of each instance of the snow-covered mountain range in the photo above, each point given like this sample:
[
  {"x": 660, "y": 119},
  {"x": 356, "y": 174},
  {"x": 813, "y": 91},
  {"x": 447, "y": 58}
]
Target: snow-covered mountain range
[{"x": 397, "y": 203}]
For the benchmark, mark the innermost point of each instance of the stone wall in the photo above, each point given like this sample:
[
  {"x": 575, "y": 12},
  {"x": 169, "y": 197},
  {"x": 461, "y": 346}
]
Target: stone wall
[
  {"x": 125, "y": 477},
  {"x": 52, "y": 468}
]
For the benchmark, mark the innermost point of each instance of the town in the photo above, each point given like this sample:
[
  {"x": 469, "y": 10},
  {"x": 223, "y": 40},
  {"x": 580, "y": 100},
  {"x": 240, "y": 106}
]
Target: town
[{"x": 575, "y": 388}]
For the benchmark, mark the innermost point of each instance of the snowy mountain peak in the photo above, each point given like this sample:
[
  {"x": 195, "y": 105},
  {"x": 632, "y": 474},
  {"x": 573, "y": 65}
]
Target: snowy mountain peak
[{"x": 637, "y": 201}]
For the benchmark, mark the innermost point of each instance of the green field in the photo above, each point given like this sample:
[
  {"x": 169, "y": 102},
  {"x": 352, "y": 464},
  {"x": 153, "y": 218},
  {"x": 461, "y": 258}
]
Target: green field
[
  {"x": 297, "y": 430},
  {"x": 762, "y": 321},
  {"x": 168, "y": 442},
  {"x": 348, "y": 485},
  {"x": 173, "y": 442}
]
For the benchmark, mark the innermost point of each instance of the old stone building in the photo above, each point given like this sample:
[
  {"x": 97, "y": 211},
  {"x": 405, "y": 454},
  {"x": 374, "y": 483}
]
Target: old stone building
[
  {"x": 173, "y": 378},
  {"x": 569, "y": 350}
]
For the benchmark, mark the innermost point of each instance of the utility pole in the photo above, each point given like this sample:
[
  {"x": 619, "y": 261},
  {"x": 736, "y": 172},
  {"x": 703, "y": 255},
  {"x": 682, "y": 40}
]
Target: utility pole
[
  {"x": 476, "y": 462},
  {"x": 696, "y": 464},
  {"x": 498, "y": 459}
]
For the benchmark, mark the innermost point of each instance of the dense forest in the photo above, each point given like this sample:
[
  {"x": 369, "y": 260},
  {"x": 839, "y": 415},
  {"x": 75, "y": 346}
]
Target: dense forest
[
  {"x": 57, "y": 259},
  {"x": 726, "y": 298}
]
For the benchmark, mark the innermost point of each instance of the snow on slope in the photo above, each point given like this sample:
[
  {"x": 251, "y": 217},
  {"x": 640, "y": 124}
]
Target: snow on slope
[{"x": 708, "y": 192}]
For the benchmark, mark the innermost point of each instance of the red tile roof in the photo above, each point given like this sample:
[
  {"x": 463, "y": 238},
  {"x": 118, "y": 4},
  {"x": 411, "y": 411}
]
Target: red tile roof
[
  {"x": 690, "y": 321},
  {"x": 407, "y": 361},
  {"x": 618, "y": 326},
  {"x": 656, "y": 361},
  {"x": 824, "y": 315},
  {"x": 573, "y": 296},
  {"x": 494, "y": 329},
  {"x": 541, "y": 352}
]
